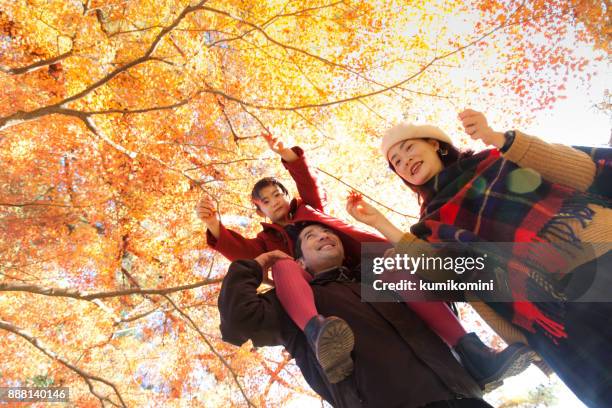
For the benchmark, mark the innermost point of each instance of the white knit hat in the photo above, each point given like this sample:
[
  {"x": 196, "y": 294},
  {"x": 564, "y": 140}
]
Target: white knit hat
[{"x": 404, "y": 131}]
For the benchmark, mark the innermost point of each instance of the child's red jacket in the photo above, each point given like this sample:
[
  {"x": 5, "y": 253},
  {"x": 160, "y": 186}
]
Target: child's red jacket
[{"x": 309, "y": 207}]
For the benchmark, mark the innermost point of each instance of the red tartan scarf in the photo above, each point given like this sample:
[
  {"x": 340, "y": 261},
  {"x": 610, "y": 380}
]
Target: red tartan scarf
[{"x": 488, "y": 198}]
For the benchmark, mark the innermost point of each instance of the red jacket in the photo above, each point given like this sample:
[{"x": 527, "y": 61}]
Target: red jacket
[{"x": 307, "y": 208}]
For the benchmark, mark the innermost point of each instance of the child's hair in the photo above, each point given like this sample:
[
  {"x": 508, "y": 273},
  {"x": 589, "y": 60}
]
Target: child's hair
[
  {"x": 263, "y": 183},
  {"x": 452, "y": 156}
]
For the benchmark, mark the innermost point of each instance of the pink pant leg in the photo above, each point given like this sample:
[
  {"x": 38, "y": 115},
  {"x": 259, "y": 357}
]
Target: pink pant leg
[
  {"x": 293, "y": 291},
  {"x": 437, "y": 315},
  {"x": 441, "y": 319}
]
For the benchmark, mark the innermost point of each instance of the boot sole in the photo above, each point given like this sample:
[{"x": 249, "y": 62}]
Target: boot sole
[
  {"x": 334, "y": 346},
  {"x": 522, "y": 359}
]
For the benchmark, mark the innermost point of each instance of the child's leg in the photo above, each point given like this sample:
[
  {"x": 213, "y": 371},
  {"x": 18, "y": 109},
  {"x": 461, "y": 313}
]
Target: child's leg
[
  {"x": 331, "y": 338},
  {"x": 295, "y": 294},
  {"x": 441, "y": 319},
  {"x": 487, "y": 366},
  {"x": 293, "y": 291},
  {"x": 437, "y": 315}
]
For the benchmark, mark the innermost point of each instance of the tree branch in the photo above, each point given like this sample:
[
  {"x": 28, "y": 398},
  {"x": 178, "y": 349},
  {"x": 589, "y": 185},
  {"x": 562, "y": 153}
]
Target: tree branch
[
  {"x": 47, "y": 204},
  {"x": 87, "y": 377},
  {"x": 230, "y": 162},
  {"x": 269, "y": 21},
  {"x": 137, "y": 30},
  {"x": 20, "y": 116},
  {"x": 35, "y": 65},
  {"x": 76, "y": 294},
  {"x": 215, "y": 352},
  {"x": 290, "y": 47},
  {"x": 365, "y": 195},
  {"x": 229, "y": 122},
  {"x": 60, "y": 107},
  {"x": 88, "y": 120},
  {"x": 144, "y": 110},
  {"x": 372, "y": 93}
]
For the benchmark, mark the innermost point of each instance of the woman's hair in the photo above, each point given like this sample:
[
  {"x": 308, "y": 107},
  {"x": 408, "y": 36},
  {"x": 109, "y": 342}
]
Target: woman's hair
[{"x": 452, "y": 156}]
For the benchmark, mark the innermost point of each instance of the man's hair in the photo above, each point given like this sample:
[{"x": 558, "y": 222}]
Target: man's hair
[{"x": 263, "y": 183}]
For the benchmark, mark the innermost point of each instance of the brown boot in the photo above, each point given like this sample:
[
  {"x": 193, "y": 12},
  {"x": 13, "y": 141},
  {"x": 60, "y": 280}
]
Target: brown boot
[{"x": 332, "y": 340}]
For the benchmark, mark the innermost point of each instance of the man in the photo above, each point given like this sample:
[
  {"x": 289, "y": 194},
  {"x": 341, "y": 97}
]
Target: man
[{"x": 398, "y": 361}]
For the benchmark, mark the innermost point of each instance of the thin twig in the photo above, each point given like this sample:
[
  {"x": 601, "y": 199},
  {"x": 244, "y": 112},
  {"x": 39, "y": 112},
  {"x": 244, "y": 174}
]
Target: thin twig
[
  {"x": 87, "y": 377},
  {"x": 212, "y": 348},
  {"x": 365, "y": 195}
]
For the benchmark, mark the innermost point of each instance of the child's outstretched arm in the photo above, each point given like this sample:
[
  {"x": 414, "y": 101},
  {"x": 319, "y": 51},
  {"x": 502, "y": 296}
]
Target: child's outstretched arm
[
  {"x": 294, "y": 161},
  {"x": 278, "y": 147},
  {"x": 557, "y": 163},
  {"x": 208, "y": 213},
  {"x": 229, "y": 243}
]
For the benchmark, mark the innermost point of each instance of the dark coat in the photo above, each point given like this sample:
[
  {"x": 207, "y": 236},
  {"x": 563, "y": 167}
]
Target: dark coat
[
  {"x": 399, "y": 361},
  {"x": 309, "y": 207}
]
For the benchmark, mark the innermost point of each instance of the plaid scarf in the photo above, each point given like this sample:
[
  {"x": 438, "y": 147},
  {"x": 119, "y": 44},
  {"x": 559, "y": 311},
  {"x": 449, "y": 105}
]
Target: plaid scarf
[{"x": 488, "y": 198}]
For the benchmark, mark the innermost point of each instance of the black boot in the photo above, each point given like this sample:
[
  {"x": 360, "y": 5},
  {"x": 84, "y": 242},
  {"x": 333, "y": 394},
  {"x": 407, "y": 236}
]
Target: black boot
[
  {"x": 489, "y": 367},
  {"x": 332, "y": 340}
]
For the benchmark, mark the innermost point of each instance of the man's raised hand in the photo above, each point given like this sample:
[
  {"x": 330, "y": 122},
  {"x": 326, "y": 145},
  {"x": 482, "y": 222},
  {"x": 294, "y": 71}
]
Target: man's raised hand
[{"x": 267, "y": 259}]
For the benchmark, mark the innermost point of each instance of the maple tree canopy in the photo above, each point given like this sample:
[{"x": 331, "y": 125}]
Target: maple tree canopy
[{"x": 117, "y": 116}]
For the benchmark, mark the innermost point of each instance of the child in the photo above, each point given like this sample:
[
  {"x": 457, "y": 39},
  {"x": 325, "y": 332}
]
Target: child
[{"x": 272, "y": 201}]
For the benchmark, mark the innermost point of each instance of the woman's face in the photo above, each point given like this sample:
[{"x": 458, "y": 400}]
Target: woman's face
[{"x": 416, "y": 160}]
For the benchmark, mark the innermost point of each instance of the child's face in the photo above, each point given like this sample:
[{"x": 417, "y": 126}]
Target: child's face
[{"x": 273, "y": 203}]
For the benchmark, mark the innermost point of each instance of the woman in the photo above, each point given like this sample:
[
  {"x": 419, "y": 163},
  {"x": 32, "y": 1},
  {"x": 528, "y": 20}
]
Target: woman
[{"x": 524, "y": 190}]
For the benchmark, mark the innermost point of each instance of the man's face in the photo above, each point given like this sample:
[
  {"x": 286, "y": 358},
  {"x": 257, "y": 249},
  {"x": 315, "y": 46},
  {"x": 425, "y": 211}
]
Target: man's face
[
  {"x": 321, "y": 249},
  {"x": 273, "y": 203}
]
